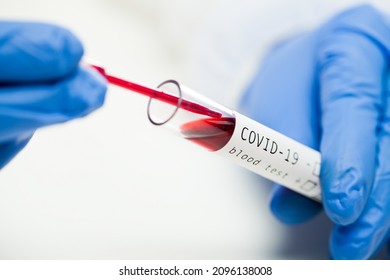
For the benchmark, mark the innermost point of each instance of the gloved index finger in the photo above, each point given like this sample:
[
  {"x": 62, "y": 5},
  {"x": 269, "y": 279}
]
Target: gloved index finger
[
  {"x": 36, "y": 52},
  {"x": 352, "y": 58}
]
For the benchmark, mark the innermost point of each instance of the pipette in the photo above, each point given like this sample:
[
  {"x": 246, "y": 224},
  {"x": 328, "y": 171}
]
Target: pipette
[
  {"x": 159, "y": 95},
  {"x": 233, "y": 135}
]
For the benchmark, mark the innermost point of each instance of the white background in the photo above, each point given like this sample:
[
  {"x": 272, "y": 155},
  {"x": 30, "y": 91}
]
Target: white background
[{"x": 112, "y": 186}]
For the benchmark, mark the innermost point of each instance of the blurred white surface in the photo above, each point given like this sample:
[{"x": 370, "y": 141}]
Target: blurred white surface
[{"x": 112, "y": 186}]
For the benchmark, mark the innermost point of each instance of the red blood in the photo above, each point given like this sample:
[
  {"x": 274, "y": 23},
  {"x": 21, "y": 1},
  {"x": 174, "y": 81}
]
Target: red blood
[{"x": 210, "y": 133}]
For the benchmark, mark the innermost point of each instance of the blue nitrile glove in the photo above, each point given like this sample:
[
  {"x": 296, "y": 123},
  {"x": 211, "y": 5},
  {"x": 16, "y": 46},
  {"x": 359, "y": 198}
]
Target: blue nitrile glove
[
  {"x": 329, "y": 90},
  {"x": 41, "y": 82}
]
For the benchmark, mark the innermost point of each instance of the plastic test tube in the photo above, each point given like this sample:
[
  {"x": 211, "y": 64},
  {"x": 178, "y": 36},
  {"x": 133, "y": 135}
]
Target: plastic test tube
[{"x": 232, "y": 135}]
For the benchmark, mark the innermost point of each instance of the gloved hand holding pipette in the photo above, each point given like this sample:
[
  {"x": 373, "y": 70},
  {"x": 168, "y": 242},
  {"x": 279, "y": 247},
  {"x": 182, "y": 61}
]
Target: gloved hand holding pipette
[
  {"x": 41, "y": 82},
  {"x": 329, "y": 90}
]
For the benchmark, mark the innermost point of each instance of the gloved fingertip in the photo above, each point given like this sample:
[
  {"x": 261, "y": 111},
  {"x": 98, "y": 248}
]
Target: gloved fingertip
[
  {"x": 292, "y": 208},
  {"x": 85, "y": 92},
  {"x": 345, "y": 244},
  {"x": 71, "y": 50},
  {"x": 344, "y": 200}
]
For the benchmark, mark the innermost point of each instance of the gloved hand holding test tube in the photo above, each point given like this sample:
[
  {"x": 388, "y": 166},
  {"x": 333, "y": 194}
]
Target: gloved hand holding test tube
[{"x": 232, "y": 135}]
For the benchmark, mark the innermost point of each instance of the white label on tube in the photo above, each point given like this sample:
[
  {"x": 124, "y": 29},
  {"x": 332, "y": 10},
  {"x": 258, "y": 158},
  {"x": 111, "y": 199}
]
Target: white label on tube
[{"x": 274, "y": 156}]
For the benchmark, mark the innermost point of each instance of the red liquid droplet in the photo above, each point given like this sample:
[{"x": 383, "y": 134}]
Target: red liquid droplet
[{"x": 210, "y": 133}]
